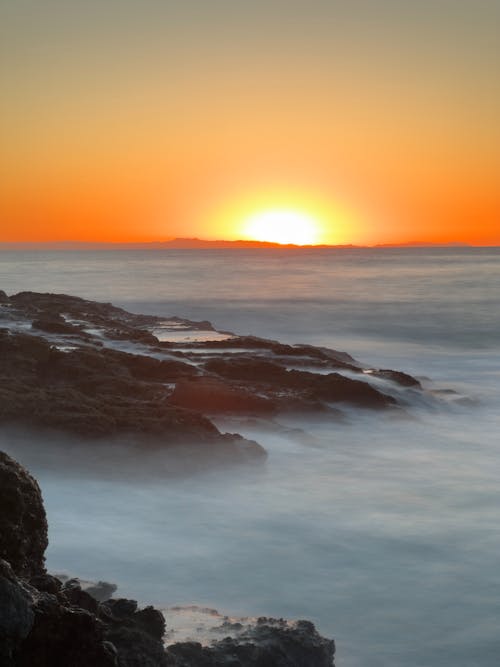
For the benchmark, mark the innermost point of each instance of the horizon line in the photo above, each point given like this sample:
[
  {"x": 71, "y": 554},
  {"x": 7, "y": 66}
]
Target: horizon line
[{"x": 194, "y": 243}]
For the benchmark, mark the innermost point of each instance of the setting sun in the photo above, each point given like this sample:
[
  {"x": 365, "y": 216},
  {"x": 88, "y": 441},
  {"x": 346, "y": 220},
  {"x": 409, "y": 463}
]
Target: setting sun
[{"x": 281, "y": 226}]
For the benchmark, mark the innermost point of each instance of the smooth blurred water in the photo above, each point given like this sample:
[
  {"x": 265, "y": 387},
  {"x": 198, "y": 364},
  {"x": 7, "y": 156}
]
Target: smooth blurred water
[{"x": 384, "y": 532}]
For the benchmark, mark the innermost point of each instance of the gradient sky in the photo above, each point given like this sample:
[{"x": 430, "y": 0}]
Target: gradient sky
[{"x": 142, "y": 120}]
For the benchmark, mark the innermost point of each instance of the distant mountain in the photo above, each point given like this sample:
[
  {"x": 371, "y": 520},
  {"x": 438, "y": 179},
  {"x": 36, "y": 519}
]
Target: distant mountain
[
  {"x": 182, "y": 243},
  {"x": 172, "y": 244},
  {"x": 195, "y": 244},
  {"x": 423, "y": 244},
  {"x": 203, "y": 244}
]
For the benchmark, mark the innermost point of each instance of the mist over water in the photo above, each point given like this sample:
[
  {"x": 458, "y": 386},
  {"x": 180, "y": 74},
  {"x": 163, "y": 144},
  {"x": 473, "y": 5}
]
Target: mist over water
[{"x": 383, "y": 530}]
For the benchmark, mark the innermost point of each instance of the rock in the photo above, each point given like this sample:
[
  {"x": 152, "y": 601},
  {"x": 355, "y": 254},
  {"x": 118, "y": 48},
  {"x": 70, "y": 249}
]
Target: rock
[
  {"x": 77, "y": 597},
  {"x": 120, "y": 608},
  {"x": 55, "y": 324},
  {"x": 305, "y": 385},
  {"x": 149, "y": 369},
  {"x": 214, "y": 396},
  {"x": 152, "y": 621},
  {"x": 3, "y": 297},
  {"x": 62, "y": 629},
  {"x": 338, "y": 388},
  {"x": 268, "y": 643},
  {"x": 16, "y": 613},
  {"x": 116, "y": 322},
  {"x": 23, "y": 524},
  {"x": 399, "y": 377},
  {"x": 46, "y": 583},
  {"x": 249, "y": 345},
  {"x": 96, "y": 392},
  {"x": 245, "y": 369},
  {"x": 136, "y": 634},
  {"x": 64, "y": 635},
  {"x": 136, "y": 648},
  {"x": 19, "y": 349}
]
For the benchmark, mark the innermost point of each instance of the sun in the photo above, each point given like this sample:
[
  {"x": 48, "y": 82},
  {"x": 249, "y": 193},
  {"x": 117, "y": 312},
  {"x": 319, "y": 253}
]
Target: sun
[{"x": 281, "y": 226}]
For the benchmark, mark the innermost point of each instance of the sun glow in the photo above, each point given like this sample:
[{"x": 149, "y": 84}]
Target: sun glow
[
  {"x": 281, "y": 215},
  {"x": 282, "y": 226}
]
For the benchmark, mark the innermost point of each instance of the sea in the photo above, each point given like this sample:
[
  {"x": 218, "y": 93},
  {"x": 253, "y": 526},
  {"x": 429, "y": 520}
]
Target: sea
[{"x": 385, "y": 532}]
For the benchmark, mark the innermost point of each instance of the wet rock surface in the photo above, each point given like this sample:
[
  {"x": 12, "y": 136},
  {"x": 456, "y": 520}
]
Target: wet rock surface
[
  {"x": 47, "y": 622},
  {"x": 95, "y": 370}
]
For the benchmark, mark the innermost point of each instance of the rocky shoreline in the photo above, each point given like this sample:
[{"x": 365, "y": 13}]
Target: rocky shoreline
[{"x": 95, "y": 371}]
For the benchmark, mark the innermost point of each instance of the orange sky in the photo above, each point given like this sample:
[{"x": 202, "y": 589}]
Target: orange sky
[{"x": 142, "y": 121}]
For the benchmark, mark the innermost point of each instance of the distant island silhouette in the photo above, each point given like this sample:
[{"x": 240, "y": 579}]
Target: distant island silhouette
[{"x": 204, "y": 244}]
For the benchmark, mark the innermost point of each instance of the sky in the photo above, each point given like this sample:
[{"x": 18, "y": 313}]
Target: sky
[{"x": 128, "y": 120}]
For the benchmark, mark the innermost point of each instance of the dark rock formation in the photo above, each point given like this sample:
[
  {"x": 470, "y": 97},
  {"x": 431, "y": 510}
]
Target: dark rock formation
[
  {"x": 276, "y": 349},
  {"x": 268, "y": 643},
  {"x": 272, "y": 378},
  {"x": 55, "y": 324},
  {"x": 23, "y": 525},
  {"x": 400, "y": 378},
  {"x": 16, "y": 612},
  {"x": 338, "y": 388},
  {"x": 136, "y": 634},
  {"x": 72, "y": 374},
  {"x": 96, "y": 392},
  {"x": 246, "y": 369},
  {"x": 63, "y": 634}
]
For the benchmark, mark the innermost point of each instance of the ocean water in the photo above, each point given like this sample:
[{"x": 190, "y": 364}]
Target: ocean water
[{"x": 384, "y": 532}]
